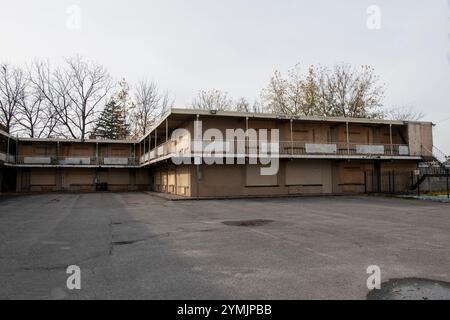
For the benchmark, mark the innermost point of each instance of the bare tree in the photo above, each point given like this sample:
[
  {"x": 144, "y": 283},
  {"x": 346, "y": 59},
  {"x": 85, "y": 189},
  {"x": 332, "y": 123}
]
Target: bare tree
[
  {"x": 75, "y": 93},
  {"x": 35, "y": 117},
  {"x": 285, "y": 95},
  {"x": 12, "y": 87},
  {"x": 166, "y": 103},
  {"x": 356, "y": 92},
  {"x": 89, "y": 85},
  {"x": 54, "y": 88},
  {"x": 29, "y": 115},
  {"x": 150, "y": 105},
  {"x": 212, "y": 100},
  {"x": 242, "y": 105},
  {"x": 342, "y": 91},
  {"x": 404, "y": 113}
]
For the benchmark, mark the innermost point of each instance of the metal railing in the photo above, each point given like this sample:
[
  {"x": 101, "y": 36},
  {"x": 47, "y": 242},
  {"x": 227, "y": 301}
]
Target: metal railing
[
  {"x": 284, "y": 148},
  {"x": 162, "y": 150},
  {"x": 7, "y": 158},
  {"x": 73, "y": 160},
  {"x": 294, "y": 148}
]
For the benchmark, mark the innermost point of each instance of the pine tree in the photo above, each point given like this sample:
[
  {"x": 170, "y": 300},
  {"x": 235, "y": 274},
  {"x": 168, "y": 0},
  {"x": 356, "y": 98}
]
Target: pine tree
[{"x": 112, "y": 123}]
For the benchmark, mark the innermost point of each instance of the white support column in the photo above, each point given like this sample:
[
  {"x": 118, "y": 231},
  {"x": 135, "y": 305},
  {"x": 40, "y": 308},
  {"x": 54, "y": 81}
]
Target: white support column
[
  {"x": 7, "y": 150},
  {"x": 292, "y": 137},
  {"x": 348, "y": 138},
  {"x": 144, "y": 148},
  {"x": 390, "y": 137},
  {"x": 17, "y": 150},
  {"x": 198, "y": 141},
  {"x": 247, "y": 145},
  {"x": 96, "y": 153},
  {"x": 131, "y": 154},
  {"x": 167, "y": 130}
]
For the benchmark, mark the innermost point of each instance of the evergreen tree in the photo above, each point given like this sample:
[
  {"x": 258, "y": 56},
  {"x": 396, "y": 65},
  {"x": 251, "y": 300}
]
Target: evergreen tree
[{"x": 112, "y": 123}]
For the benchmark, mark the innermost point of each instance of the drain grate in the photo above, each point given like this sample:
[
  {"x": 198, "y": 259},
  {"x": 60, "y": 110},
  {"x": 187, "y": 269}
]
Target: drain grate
[
  {"x": 247, "y": 223},
  {"x": 411, "y": 289}
]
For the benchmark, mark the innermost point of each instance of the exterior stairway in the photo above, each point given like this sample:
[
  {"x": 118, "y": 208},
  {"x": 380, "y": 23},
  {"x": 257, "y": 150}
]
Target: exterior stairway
[{"x": 438, "y": 165}]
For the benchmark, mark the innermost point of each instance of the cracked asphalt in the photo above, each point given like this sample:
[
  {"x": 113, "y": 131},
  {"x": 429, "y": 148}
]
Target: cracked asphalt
[{"x": 138, "y": 246}]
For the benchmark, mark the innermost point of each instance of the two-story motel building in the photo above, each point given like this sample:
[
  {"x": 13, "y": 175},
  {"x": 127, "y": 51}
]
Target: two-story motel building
[{"x": 317, "y": 155}]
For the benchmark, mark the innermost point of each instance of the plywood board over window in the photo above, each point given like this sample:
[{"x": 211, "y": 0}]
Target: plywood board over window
[
  {"x": 309, "y": 173},
  {"x": 81, "y": 151},
  {"x": 119, "y": 151},
  {"x": 255, "y": 179},
  {"x": 119, "y": 176},
  {"x": 81, "y": 177},
  {"x": 305, "y": 173},
  {"x": 42, "y": 177},
  {"x": 183, "y": 180}
]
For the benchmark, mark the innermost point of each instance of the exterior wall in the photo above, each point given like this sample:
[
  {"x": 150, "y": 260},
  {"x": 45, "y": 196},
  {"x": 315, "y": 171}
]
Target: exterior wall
[
  {"x": 420, "y": 138},
  {"x": 172, "y": 179},
  {"x": 309, "y": 176},
  {"x": 142, "y": 179},
  {"x": 348, "y": 177},
  {"x": 295, "y": 176},
  {"x": 80, "y": 179},
  {"x": 73, "y": 153},
  {"x": 316, "y": 132}
]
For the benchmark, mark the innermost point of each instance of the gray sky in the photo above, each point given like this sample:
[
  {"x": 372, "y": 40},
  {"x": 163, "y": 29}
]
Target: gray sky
[{"x": 189, "y": 45}]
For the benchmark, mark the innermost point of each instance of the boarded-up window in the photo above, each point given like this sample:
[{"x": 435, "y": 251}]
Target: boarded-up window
[
  {"x": 81, "y": 151},
  {"x": 157, "y": 177},
  {"x": 120, "y": 151},
  {"x": 183, "y": 176},
  {"x": 80, "y": 177},
  {"x": 255, "y": 179},
  {"x": 305, "y": 173},
  {"x": 183, "y": 180},
  {"x": 142, "y": 177},
  {"x": 42, "y": 177},
  {"x": 352, "y": 175},
  {"x": 119, "y": 177},
  {"x": 40, "y": 151},
  {"x": 303, "y": 135}
]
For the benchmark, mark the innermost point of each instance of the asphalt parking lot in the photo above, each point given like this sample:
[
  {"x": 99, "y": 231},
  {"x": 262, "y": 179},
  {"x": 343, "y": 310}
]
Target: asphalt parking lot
[{"x": 138, "y": 246}]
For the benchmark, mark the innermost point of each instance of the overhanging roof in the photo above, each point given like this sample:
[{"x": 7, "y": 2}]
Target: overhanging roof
[
  {"x": 271, "y": 116},
  {"x": 183, "y": 114}
]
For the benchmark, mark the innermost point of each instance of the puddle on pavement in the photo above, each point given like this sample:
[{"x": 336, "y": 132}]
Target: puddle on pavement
[
  {"x": 247, "y": 223},
  {"x": 411, "y": 289}
]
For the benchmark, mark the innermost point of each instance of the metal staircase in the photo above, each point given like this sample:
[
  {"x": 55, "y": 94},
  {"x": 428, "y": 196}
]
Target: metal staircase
[{"x": 437, "y": 165}]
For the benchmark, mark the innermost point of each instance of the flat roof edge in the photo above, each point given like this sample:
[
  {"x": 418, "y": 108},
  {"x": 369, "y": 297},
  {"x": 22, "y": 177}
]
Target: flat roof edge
[{"x": 260, "y": 115}]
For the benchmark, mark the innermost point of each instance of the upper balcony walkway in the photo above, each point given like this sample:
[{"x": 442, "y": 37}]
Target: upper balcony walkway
[
  {"x": 283, "y": 149},
  {"x": 169, "y": 149}
]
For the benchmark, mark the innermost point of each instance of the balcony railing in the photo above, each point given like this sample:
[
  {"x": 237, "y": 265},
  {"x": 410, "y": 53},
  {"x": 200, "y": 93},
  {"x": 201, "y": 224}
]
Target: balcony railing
[
  {"x": 342, "y": 148},
  {"x": 77, "y": 160},
  {"x": 285, "y": 148},
  {"x": 7, "y": 158},
  {"x": 163, "y": 150}
]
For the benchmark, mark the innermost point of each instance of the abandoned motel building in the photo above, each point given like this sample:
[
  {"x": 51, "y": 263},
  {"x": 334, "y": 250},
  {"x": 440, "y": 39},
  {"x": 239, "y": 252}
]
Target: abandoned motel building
[{"x": 317, "y": 155}]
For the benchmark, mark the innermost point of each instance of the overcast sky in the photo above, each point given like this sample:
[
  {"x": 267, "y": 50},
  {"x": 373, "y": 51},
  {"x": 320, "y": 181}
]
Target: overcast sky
[{"x": 234, "y": 46}]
